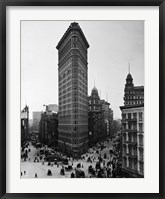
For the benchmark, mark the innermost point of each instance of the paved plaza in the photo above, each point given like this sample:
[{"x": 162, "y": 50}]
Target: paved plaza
[{"x": 29, "y": 168}]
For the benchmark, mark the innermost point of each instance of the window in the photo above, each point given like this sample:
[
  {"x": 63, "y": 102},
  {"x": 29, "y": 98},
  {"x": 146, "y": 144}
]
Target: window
[
  {"x": 140, "y": 116},
  {"x": 124, "y": 126},
  {"x": 129, "y": 115},
  {"x": 125, "y": 162},
  {"x": 141, "y": 140},
  {"x": 129, "y": 137},
  {"x": 124, "y": 116},
  {"x": 135, "y": 127},
  {"x": 135, "y": 115},
  {"x": 134, "y": 139},
  {"x": 141, "y": 167},
  {"x": 129, "y": 126},
  {"x": 130, "y": 163},
  {"x": 141, "y": 154},
  {"x": 140, "y": 127},
  {"x": 124, "y": 137}
]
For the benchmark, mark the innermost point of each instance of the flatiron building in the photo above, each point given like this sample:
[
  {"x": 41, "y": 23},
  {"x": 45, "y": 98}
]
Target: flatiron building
[{"x": 73, "y": 88}]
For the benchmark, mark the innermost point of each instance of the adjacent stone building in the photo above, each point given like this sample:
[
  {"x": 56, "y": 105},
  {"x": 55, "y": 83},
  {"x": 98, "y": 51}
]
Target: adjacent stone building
[
  {"x": 133, "y": 130},
  {"x": 133, "y": 95},
  {"x": 73, "y": 88}
]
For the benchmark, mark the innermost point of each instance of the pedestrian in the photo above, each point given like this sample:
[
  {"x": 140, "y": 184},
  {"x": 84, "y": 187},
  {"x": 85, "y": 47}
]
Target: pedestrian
[
  {"x": 49, "y": 173},
  {"x": 35, "y": 175},
  {"x": 72, "y": 175},
  {"x": 24, "y": 172},
  {"x": 108, "y": 173},
  {"x": 21, "y": 173}
]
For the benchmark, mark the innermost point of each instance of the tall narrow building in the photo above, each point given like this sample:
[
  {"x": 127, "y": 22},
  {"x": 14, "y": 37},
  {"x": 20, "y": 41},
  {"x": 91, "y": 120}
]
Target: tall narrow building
[{"x": 73, "y": 88}]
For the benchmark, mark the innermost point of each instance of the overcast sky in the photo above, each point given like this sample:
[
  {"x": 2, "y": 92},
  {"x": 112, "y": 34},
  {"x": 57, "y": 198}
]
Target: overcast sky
[{"x": 113, "y": 44}]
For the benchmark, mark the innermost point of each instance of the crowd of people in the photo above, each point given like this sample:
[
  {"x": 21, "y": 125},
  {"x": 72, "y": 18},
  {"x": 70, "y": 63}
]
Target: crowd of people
[{"x": 101, "y": 161}]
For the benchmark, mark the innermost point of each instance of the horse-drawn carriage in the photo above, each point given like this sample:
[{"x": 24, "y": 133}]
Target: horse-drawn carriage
[{"x": 79, "y": 173}]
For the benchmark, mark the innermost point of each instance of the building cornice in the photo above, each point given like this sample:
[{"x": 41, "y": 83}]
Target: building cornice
[{"x": 132, "y": 106}]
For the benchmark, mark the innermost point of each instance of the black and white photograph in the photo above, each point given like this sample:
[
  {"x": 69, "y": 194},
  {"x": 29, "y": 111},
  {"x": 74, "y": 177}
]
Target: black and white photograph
[{"x": 82, "y": 99}]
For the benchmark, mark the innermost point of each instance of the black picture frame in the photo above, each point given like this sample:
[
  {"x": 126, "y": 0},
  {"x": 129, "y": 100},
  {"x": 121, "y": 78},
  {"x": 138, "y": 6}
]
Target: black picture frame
[{"x": 3, "y": 5}]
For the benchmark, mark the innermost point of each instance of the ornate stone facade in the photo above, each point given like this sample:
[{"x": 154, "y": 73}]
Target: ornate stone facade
[
  {"x": 133, "y": 129},
  {"x": 132, "y": 140},
  {"x": 100, "y": 117},
  {"x": 73, "y": 87},
  {"x": 133, "y": 95}
]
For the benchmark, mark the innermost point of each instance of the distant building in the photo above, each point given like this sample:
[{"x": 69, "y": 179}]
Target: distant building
[
  {"x": 36, "y": 120},
  {"x": 108, "y": 116},
  {"x": 95, "y": 117},
  {"x": 100, "y": 117},
  {"x": 52, "y": 108},
  {"x": 48, "y": 129},
  {"x": 94, "y": 103},
  {"x": 30, "y": 123},
  {"x": 24, "y": 123},
  {"x": 133, "y": 130},
  {"x": 73, "y": 88}
]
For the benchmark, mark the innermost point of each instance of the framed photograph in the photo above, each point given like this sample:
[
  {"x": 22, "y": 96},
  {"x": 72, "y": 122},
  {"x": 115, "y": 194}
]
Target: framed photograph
[{"x": 82, "y": 99}]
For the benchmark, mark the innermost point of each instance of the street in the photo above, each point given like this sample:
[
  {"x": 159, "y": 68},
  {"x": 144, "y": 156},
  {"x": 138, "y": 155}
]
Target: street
[{"x": 31, "y": 169}]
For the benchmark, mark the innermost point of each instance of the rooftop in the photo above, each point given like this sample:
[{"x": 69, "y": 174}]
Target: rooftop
[{"x": 73, "y": 26}]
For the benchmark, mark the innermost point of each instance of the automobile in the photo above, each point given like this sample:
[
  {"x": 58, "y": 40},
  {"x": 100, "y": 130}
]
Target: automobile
[
  {"x": 38, "y": 145},
  {"x": 65, "y": 161},
  {"x": 56, "y": 158},
  {"x": 119, "y": 162},
  {"x": 41, "y": 150},
  {"x": 103, "y": 147},
  {"x": 97, "y": 165},
  {"x": 101, "y": 173},
  {"x": 69, "y": 168}
]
